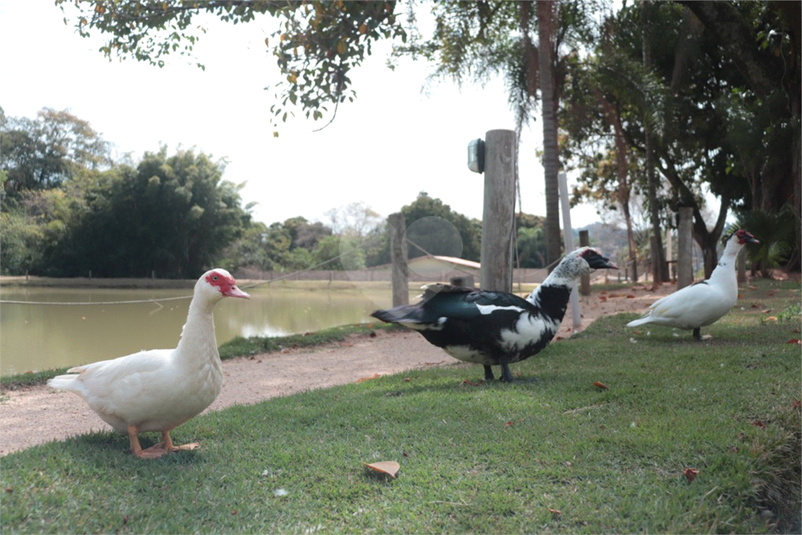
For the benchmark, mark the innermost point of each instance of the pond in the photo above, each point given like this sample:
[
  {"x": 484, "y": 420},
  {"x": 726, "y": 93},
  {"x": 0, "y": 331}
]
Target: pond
[{"x": 35, "y": 337}]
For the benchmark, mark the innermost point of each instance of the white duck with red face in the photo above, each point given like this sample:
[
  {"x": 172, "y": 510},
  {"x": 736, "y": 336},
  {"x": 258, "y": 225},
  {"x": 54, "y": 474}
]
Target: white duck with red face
[
  {"x": 159, "y": 389},
  {"x": 704, "y": 302}
]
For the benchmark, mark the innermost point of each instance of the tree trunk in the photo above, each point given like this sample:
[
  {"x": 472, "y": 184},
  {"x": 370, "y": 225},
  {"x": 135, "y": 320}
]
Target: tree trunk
[
  {"x": 613, "y": 117},
  {"x": 551, "y": 162},
  {"x": 659, "y": 265}
]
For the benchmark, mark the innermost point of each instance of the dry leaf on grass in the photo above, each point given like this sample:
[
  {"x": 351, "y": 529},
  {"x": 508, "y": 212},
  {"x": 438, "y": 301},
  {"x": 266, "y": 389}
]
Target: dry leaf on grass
[
  {"x": 389, "y": 468},
  {"x": 690, "y": 474},
  {"x": 363, "y": 379},
  {"x": 598, "y": 384}
]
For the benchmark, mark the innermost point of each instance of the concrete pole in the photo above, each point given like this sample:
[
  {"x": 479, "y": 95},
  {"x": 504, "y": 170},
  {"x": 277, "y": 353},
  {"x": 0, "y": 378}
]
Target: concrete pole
[
  {"x": 568, "y": 236},
  {"x": 398, "y": 257},
  {"x": 499, "y": 210},
  {"x": 584, "y": 280},
  {"x": 685, "y": 247}
]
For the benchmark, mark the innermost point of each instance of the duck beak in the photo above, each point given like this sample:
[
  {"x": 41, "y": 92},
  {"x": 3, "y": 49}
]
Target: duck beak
[
  {"x": 233, "y": 291},
  {"x": 597, "y": 261}
]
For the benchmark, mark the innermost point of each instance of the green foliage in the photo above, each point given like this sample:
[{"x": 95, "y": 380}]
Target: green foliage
[
  {"x": 67, "y": 210},
  {"x": 20, "y": 246},
  {"x": 549, "y": 453},
  {"x": 171, "y": 214},
  {"x": 425, "y": 219},
  {"x": 47, "y": 151},
  {"x": 775, "y": 231},
  {"x": 316, "y": 45}
]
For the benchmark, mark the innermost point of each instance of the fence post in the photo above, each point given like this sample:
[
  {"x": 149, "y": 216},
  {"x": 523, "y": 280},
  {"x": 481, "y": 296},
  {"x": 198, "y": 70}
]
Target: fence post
[
  {"x": 398, "y": 258},
  {"x": 685, "y": 247},
  {"x": 499, "y": 210}
]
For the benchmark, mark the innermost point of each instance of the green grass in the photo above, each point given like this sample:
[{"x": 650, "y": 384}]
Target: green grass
[
  {"x": 549, "y": 453},
  {"x": 240, "y": 346}
]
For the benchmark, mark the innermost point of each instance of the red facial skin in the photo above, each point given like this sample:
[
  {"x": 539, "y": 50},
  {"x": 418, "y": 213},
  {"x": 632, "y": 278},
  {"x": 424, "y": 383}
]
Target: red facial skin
[{"x": 226, "y": 285}]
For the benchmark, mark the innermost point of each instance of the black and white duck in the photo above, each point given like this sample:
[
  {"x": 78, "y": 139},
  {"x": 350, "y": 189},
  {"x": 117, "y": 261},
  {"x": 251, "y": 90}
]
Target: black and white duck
[{"x": 496, "y": 328}]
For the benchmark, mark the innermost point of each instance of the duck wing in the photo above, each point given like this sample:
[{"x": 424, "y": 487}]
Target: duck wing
[{"x": 444, "y": 302}]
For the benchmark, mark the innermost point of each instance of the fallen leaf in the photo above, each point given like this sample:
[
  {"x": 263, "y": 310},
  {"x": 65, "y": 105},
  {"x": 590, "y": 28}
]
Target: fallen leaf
[
  {"x": 471, "y": 383},
  {"x": 389, "y": 468},
  {"x": 690, "y": 474},
  {"x": 508, "y": 423},
  {"x": 794, "y": 341},
  {"x": 630, "y": 296},
  {"x": 758, "y": 423},
  {"x": 771, "y": 318},
  {"x": 603, "y": 386},
  {"x": 374, "y": 376},
  {"x": 554, "y": 511}
]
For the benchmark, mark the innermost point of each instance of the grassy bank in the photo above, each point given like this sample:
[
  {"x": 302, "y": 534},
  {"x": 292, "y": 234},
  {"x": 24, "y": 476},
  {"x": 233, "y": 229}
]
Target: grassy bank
[{"x": 550, "y": 453}]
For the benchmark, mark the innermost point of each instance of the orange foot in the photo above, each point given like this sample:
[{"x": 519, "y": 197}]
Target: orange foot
[{"x": 164, "y": 447}]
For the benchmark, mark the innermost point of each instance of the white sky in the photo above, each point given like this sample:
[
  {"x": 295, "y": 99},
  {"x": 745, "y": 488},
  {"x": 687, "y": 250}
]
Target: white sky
[{"x": 392, "y": 142}]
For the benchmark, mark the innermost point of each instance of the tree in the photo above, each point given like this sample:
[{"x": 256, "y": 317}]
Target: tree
[
  {"x": 763, "y": 41},
  {"x": 436, "y": 228},
  {"x": 319, "y": 42},
  {"x": 530, "y": 241},
  {"x": 551, "y": 159},
  {"x": 45, "y": 152},
  {"x": 172, "y": 215},
  {"x": 316, "y": 45},
  {"x": 684, "y": 101},
  {"x": 306, "y": 235}
]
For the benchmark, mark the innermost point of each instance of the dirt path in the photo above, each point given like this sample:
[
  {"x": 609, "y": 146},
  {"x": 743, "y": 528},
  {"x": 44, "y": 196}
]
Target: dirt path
[{"x": 40, "y": 414}]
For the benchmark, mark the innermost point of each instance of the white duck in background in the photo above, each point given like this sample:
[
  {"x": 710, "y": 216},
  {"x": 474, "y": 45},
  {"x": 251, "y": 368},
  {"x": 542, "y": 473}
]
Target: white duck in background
[
  {"x": 496, "y": 328},
  {"x": 705, "y": 302},
  {"x": 160, "y": 389}
]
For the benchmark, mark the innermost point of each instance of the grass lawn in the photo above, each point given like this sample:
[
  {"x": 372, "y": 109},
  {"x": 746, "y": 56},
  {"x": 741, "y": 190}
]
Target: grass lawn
[{"x": 549, "y": 453}]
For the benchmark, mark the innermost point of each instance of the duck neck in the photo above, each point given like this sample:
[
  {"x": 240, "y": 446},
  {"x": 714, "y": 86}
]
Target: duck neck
[
  {"x": 197, "y": 335},
  {"x": 552, "y": 295},
  {"x": 728, "y": 262}
]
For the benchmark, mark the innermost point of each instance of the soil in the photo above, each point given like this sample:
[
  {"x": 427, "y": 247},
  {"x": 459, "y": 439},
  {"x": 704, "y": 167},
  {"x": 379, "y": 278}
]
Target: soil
[{"x": 39, "y": 414}]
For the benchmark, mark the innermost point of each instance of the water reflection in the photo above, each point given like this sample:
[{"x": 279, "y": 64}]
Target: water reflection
[{"x": 39, "y": 337}]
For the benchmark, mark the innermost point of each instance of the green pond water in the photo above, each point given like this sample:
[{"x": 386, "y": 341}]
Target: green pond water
[{"x": 36, "y": 337}]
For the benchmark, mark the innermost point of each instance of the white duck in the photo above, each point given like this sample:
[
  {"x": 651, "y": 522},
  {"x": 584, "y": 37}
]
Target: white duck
[
  {"x": 160, "y": 389},
  {"x": 704, "y": 302}
]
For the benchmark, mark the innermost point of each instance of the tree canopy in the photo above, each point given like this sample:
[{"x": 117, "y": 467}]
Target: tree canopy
[{"x": 714, "y": 107}]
